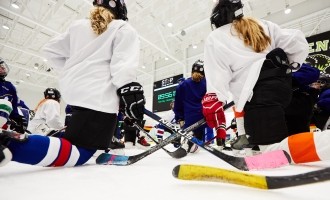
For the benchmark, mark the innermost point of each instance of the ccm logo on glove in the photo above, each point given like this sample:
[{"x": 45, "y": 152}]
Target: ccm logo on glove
[
  {"x": 131, "y": 89},
  {"x": 131, "y": 100}
]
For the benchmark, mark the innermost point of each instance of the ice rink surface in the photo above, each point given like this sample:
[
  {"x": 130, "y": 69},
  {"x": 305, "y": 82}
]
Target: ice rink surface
[{"x": 149, "y": 178}]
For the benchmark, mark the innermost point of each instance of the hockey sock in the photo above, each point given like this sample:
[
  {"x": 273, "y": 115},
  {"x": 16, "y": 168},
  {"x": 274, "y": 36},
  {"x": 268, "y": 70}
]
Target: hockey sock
[
  {"x": 160, "y": 133},
  {"x": 209, "y": 135},
  {"x": 240, "y": 122},
  {"x": 49, "y": 152}
]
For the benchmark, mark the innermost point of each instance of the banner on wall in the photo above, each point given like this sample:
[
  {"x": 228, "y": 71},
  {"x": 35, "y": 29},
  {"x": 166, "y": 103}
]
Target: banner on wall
[
  {"x": 164, "y": 93},
  {"x": 319, "y": 51}
]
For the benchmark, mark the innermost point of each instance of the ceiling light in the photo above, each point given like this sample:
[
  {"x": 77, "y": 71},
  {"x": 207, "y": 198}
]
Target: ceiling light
[
  {"x": 5, "y": 27},
  {"x": 36, "y": 68},
  {"x": 45, "y": 60},
  {"x": 169, "y": 24},
  {"x": 287, "y": 9},
  {"x": 28, "y": 75},
  {"x": 15, "y": 5},
  {"x": 166, "y": 58},
  {"x": 194, "y": 46},
  {"x": 143, "y": 67}
]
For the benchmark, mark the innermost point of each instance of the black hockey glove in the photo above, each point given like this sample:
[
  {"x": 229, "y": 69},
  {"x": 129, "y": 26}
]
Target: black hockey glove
[
  {"x": 18, "y": 124},
  {"x": 280, "y": 59},
  {"x": 131, "y": 100}
]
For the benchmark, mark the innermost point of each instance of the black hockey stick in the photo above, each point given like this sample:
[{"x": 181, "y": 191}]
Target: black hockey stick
[
  {"x": 263, "y": 161},
  {"x": 205, "y": 173},
  {"x": 111, "y": 159},
  {"x": 168, "y": 124},
  {"x": 179, "y": 153}
]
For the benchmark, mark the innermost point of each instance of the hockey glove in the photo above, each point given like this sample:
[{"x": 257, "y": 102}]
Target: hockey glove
[
  {"x": 280, "y": 59},
  {"x": 18, "y": 124},
  {"x": 131, "y": 100},
  {"x": 214, "y": 114}
]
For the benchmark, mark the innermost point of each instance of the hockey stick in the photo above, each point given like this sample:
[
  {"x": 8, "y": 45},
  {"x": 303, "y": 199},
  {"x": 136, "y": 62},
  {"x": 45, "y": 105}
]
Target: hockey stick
[
  {"x": 173, "y": 128},
  {"x": 262, "y": 161},
  {"x": 179, "y": 153},
  {"x": 54, "y": 134},
  {"x": 205, "y": 173},
  {"x": 111, "y": 159}
]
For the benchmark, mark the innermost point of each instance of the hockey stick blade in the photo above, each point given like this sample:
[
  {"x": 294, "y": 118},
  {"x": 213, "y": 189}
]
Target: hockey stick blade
[
  {"x": 262, "y": 161},
  {"x": 205, "y": 173},
  {"x": 111, "y": 159},
  {"x": 179, "y": 153}
]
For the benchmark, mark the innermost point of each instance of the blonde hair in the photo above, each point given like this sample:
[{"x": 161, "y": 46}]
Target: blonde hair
[
  {"x": 252, "y": 33},
  {"x": 100, "y": 18},
  {"x": 196, "y": 76}
]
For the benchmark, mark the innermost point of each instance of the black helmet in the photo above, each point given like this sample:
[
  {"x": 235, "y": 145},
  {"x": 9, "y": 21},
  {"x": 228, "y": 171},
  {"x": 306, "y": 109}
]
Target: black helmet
[
  {"x": 324, "y": 80},
  {"x": 117, "y": 7},
  {"x": 226, "y": 11},
  {"x": 52, "y": 93},
  {"x": 4, "y": 69},
  {"x": 198, "y": 66}
]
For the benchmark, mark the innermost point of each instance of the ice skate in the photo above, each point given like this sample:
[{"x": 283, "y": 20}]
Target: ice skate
[
  {"x": 5, "y": 137},
  {"x": 5, "y": 155},
  {"x": 142, "y": 143},
  {"x": 116, "y": 147},
  {"x": 239, "y": 144},
  {"x": 189, "y": 146}
]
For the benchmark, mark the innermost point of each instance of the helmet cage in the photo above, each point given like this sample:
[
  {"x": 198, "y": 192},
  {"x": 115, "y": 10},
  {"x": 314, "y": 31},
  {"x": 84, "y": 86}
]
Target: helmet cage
[{"x": 4, "y": 69}]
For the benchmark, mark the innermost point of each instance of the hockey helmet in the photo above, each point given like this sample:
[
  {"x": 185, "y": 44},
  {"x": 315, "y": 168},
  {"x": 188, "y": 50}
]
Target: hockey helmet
[
  {"x": 198, "y": 66},
  {"x": 226, "y": 11},
  {"x": 4, "y": 69},
  {"x": 117, "y": 7},
  {"x": 324, "y": 80},
  {"x": 52, "y": 93}
]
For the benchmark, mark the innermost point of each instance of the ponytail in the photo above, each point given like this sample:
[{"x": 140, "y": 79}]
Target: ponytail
[
  {"x": 252, "y": 33},
  {"x": 100, "y": 18}
]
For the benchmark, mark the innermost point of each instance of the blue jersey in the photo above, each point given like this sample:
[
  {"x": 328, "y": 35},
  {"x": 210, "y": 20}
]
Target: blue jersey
[
  {"x": 22, "y": 104},
  {"x": 324, "y": 100},
  {"x": 8, "y": 92},
  {"x": 188, "y": 101}
]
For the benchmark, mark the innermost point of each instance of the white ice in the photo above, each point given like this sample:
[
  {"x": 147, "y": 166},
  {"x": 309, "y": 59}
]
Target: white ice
[{"x": 149, "y": 178}]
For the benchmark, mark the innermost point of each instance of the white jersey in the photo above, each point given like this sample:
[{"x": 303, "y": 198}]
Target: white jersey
[
  {"x": 91, "y": 67},
  {"x": 47, "y": 117},
  {"x": 232, "y": 66}
]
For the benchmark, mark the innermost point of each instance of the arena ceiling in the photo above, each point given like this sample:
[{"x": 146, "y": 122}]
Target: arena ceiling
[{"x": 172, "y": 33}]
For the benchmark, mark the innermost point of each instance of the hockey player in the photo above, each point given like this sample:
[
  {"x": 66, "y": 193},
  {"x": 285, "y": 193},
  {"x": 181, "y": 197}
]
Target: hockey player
[
  {"x": 8, "y": 92},
  {"x": 242, "y": 56},
  {"x": 257, "y": 72},
  {"x": 47, "y": 114},
  {"x": 97, "y": 59},
  {"x": 322, "y": 108},
  {"x": 161, "y": 129},
  {"x": 299, "y": 113},
  {"x": 188, "y": 107}
]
